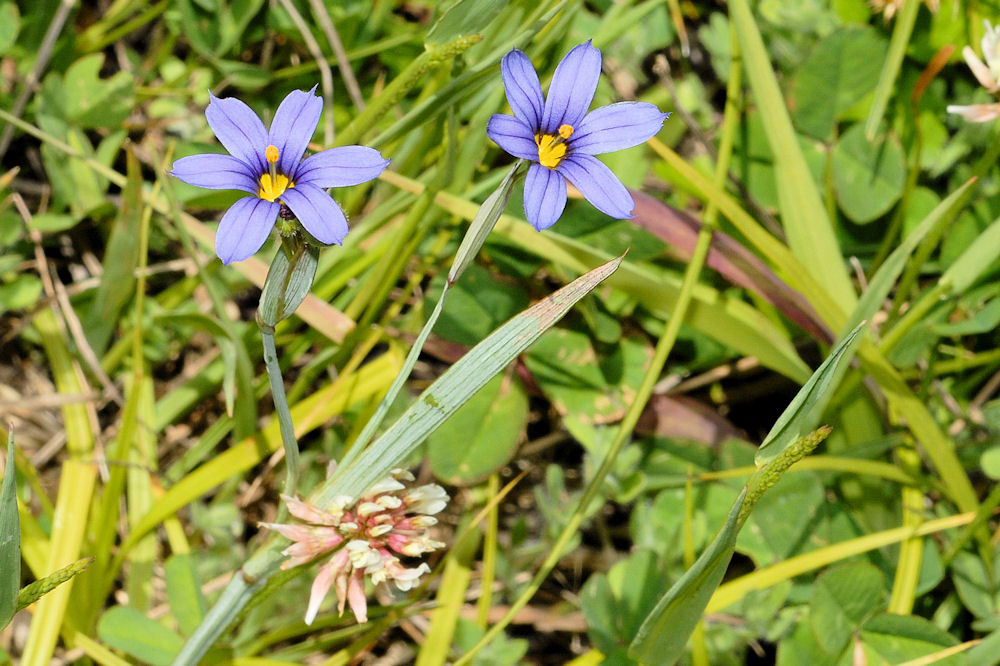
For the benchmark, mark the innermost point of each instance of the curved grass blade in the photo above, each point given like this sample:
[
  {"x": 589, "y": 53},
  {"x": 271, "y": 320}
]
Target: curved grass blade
[
  {"x": 664, "y": 633},
  {"x": 457, "y": 385}
]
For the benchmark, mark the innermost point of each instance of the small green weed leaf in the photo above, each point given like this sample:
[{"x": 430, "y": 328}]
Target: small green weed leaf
[
  {"x": 893, "y": 639},
  {"x": 616, "y": 604},
  {"x": 482, "y": 435},
  {"x": 10, "y": 539},
  {"x": 840, "y": 71},
  {"x": 53, "y": 222},
  {"x": 974, "y": 584},
  {"x": 807, "y": 406},
  {"x": 95, "y": 102},
  {"x": 990, "y": 462},
  {"x": 501, "y": 651},
  {"x": 842, "y": 599},
  {"x": 665, "y": 631},
  {"x": 457, "y": 385},
  {"x": 462, "y": 18},
  {"x": 21, "y": 293},
  {"x": 801, "y": 647},
  {"x": 10, "y": 25},
  {"x": 128, "y": 630},
  {"x": 476, "y": 305},
  {"x": 184, "y": 592},
  {"x": 868, "y": 175}
]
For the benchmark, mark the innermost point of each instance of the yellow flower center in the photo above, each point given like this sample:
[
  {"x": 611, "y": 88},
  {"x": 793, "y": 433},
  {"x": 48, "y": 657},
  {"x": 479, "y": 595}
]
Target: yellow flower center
[
  {"x": 273, "y": 184},
  {"x": 272, "y": 188},
  {"x": 552, "y": 148}
]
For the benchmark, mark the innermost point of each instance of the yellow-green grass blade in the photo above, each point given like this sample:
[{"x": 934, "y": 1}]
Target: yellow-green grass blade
[
  {"x": 804, "y": 218},
  {"x": 76, "y": 488}
]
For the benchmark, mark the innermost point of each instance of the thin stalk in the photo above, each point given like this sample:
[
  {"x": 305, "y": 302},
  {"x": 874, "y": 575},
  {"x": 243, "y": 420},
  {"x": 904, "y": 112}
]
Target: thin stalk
[{"x": 284, "y": 417}]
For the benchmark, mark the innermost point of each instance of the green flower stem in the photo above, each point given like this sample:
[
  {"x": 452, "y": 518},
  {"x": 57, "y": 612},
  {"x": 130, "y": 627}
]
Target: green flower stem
[{"x": 284, "y": 417}]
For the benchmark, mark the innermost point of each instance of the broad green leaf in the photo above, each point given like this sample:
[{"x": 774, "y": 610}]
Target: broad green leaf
[
  {"x": 842, "y": 599},
  {"x": 184, "y": 592},
  {"x": 805, "y": 409},
  {"x": 133, "y": 633},
  {"x": 868, "y": 175},
  {"x": 482, "y": 435},
  {"x": 457, "y": 385},
  {"x": 665, "y": 631},
  {"x": 843, "y": 68},
  {"x": 10, "y": 539}
]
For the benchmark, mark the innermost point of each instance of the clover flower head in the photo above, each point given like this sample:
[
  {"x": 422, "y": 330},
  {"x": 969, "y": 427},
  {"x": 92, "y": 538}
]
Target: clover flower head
[
  {"x": 365, "y": 536},
  {"x": 267, "y": 164},
  {"x": 560, "y": 137},
  {"x": 988, "y": 75}
]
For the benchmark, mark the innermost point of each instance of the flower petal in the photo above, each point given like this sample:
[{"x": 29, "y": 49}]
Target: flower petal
[
  {"x": 572, "y": 88},
  {"x": 598, "y": 184},
  {"x": 544, "y": 196},
  {"x": 524, "y": 92},
  {"x": 318, "y": 213},
  {"x": 216, "y": 172},
  {"x": 238, "y": 129},
  {"x": 293, "y": 126},
  {"x": 340, "y": 167},
  {"x": 513, "y": 136},
  {"x": 615, "y": 127},
  {"x": 321, "y": 585},
  {"x": 976, "y": 113},
  {"x": 244, "y": 228}
]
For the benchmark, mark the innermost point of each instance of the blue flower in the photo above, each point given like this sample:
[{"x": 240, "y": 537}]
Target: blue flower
[
  {"x": 268, "y": 165},
  {"x": 561, "y": 138}
]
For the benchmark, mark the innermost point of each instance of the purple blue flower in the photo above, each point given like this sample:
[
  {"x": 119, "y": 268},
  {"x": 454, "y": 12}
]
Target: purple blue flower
[
  {"x": 561, "y": 137},
  {"x": 268, "y": 165}
]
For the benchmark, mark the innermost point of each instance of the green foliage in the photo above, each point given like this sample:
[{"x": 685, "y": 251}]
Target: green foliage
[{"x": 835, "y": 189}]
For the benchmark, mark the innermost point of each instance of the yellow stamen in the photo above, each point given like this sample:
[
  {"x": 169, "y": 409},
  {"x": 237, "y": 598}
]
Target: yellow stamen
[
  {"x": 565, "y": 131},
  {"x": 271, "y": 154},
  {"x": 272, "y": 188},
  {"x": 551, "y": 150}
]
